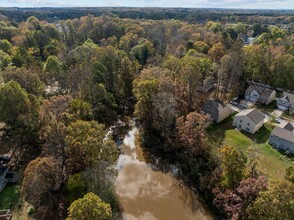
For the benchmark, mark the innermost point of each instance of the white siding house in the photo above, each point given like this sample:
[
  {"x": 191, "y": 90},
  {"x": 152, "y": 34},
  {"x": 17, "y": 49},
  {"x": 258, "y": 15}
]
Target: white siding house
[
  {"x": 250, "y": 120},
  {"x": 286, "y": 102}
]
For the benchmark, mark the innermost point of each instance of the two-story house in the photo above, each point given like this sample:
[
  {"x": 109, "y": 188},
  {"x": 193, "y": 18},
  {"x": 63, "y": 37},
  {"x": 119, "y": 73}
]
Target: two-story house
[
  {"x": 260, "y": 94},
  {"x": 250, "y": 120},
  {"x": 286, "y": 102},
  {"x": 217, "y": 110},
  {"x": 282, "y": 137}
]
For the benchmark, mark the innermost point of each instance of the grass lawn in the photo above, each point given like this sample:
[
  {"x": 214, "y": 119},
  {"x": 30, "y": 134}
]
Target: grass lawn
[
  {"x": 216, "y": 132},
  {"x": 271, "y": 162},
  {"x": 262, "y": 135},
  {"x": 9, "y": 196}
]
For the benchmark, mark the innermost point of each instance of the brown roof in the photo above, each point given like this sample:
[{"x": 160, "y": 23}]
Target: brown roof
[
  {"x": 262, "y": 91},
  {"x": 283, "y": 134},
  {"x": 255, "y": 115}
]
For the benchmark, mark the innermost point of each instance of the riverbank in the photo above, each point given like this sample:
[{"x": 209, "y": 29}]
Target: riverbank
[{"x": 149, "y": 188}]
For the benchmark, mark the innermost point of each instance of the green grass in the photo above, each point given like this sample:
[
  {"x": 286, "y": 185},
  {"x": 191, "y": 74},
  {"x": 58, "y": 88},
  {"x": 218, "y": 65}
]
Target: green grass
[
  {"x": 272, "y": 163},
  {"x": 9, "y": 196},
  {"x": 216, "y": 132},
  {"x": 262, "y": 135}
]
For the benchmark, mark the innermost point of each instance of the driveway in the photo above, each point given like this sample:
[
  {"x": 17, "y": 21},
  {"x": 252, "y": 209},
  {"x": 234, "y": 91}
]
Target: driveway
[
  {"x": 277, "y": 113},
  {"x": 234, "y": 108}
]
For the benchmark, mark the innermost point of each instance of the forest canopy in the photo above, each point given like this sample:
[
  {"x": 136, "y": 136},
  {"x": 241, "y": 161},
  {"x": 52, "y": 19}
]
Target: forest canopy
[{"x": 67, "y": 75}]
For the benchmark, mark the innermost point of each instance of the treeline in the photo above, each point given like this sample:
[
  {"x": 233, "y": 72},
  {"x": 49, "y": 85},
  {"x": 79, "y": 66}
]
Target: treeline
[
  {"x": 193, "y": 15},
  {"x": 65, "y": 82}
]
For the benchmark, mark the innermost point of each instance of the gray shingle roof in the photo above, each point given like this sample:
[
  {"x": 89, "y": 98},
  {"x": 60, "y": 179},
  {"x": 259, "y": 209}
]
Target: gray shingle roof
[
  {"x": 255, "y": 115},
  {"x": 262, "y": 91},
  {"x": 289, "y": 96},
  {"x": 214, "y": 107},
  {"x": 283, "y": 134},
  {"x": 288, "y": 126}
]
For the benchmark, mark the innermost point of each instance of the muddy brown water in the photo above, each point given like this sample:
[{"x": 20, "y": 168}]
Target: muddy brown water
[{"x": 147, "y": 193}]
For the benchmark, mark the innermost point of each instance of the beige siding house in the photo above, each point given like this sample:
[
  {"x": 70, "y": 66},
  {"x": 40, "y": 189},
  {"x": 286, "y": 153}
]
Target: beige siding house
[
  {"x": 250, "y": 120},
  {"x": 260, "y": 94},
  {"x": 217, "y": 110}
]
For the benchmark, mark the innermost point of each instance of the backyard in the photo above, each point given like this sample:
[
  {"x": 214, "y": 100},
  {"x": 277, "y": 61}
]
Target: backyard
[
  {"x": 272, "y": 163},
  {"x": 9, "y": 196}
]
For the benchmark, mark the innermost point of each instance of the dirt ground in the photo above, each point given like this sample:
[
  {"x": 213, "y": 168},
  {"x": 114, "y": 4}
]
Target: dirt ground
[{"x": 22, "y": 213}]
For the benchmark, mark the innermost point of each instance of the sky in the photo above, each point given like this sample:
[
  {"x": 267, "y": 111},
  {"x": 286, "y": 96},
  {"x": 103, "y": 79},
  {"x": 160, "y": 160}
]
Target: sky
[{"x": 246, "y": 4}]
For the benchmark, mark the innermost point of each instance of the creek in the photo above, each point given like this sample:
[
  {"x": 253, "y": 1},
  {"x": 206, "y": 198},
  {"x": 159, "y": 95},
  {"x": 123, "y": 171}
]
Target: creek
[{"x": 148, "y": 189}]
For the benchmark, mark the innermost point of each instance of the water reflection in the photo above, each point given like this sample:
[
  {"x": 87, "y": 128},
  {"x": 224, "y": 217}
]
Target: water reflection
[{"x": 147, "y": 193}]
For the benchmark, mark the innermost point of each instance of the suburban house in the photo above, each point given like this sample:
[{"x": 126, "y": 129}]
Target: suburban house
[
  {"x": 250, "y": 120},
  {"x": 282, "y": 137},
  {"x": 3, "y": 180},
  {"x": 286, "y": 102},
  {"x": 6, "y": 174},
  {"x": 260, "y": 94},
  {"x": 248, "y": 40},
  {"x": 217, "y": 110}
]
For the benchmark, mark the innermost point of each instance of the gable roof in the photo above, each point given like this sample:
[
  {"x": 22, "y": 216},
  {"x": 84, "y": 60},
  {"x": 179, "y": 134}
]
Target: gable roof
[
  {"x": 255, "y": 115},
  {"x": 289, "y": 97},
  {"x": 288, "y": 126},
  {"x": 283, "y": 134},
  {"x": 214, "y": 106},
  {"x": 264, "y": 92}
]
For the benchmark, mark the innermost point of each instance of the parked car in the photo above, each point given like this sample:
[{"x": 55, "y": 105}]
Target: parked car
[
  {"x": 277, "y": 120},
  {"x": 234, "y": 103}
]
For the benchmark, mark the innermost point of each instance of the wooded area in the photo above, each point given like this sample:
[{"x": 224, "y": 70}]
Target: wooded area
[{"x": 66, "y": 79}]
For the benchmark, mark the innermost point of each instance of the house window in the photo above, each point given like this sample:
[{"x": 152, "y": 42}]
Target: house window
[
  {"x": 240, "y": 121},
  {"x": 247, "y": 129},
  {"x": 248, "y": 124}
]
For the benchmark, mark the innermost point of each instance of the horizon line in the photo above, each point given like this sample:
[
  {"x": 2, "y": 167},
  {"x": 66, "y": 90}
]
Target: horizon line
[{"x": 152, "y": 7}]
